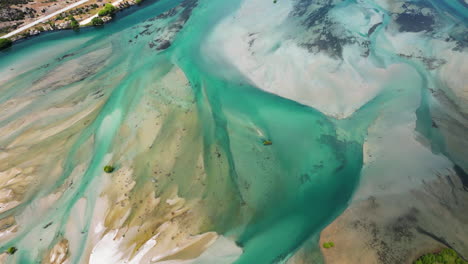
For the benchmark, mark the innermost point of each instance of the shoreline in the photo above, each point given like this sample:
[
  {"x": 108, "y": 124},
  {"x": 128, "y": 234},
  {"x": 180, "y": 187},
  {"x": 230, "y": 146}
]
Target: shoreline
[
  {"x": 31, "y": 29},
  {"x": 40, "y": 20}
]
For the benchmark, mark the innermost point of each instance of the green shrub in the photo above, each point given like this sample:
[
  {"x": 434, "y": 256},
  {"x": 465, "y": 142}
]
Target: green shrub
[
  {"x": 102, "y": 12},
  {"x": 11, "y": 250},
  {"x": 138, "y": 2},
  {"x": 5, "y": 43},
  {"x": 73, "y": 23},
  {"x": 108, "y": 169},
  {"x": 97, "y": 21},
  {"x": 328, "y": 245},
  {"x": 445, "y": 256},
  {"x": 110, "y": 7},
  {"x": 108, "y": 10}
]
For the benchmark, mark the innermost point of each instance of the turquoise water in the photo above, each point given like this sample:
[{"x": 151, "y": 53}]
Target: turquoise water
[{"x": 268, "y": 199}]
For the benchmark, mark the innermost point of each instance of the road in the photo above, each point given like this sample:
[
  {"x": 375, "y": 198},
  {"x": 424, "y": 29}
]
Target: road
[
  {"x": 88, "y": 20},
  {"x": 42, "y": 19}
]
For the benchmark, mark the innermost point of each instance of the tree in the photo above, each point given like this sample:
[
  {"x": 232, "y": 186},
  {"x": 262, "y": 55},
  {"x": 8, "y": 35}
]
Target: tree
[
  {"x": 73, "y": 23},
  {"x": 97, "y": 21},
  {"x": 108, "y": 10},
  {"x": 5, "y": 43}
]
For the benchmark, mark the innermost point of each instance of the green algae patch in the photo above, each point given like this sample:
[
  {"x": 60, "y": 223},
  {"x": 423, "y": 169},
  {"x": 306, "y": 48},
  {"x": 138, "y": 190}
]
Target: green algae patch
[
  {"x": 328, "y": 245},
  {"x": 11, "y": 250},
  {"x": 445, "y": 256},
  {"x": 108, "y": 169}
]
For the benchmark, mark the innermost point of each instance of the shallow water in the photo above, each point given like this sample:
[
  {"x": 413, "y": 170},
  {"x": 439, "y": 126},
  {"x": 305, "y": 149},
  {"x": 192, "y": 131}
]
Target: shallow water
[{"x": 187, "y": 121}]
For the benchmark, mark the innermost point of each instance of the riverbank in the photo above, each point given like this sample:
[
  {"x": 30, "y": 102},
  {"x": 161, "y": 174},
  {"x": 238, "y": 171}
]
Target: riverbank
[{"x": 79, "y": 14}]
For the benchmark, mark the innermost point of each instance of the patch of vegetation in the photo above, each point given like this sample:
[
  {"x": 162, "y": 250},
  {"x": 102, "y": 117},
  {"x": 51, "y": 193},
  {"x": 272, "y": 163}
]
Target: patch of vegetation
[
  {"x": 108, "y": 10},
  {"x": 445, "y": 256},
  {"x": 82, "y": 10},
  {"x": 7, "y": 29},
  {"x": 11, "y": 14},
  {"x": 97, "y": 21},
  {"x": 13, "y": 2},
  {"x": 73, "y": 23},
  {"x": 108, "y": 169},
  {"x": 51, "y": 24},
  {"x": 138, "y": 2},
  {"x": 328, "y": 245},
  {"x": 60, "y": 17},
  {"x": 5, "y": 43},
  {"x": 11, "y": 250}
]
